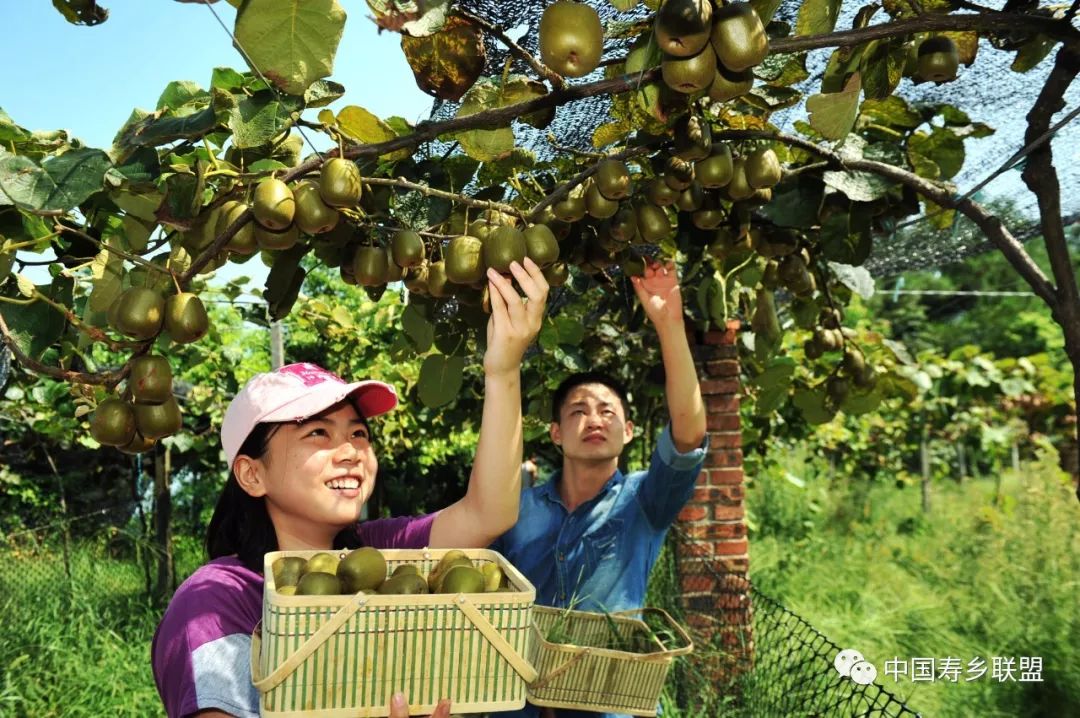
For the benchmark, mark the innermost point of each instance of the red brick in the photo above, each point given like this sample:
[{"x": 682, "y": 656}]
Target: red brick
[
  {"x": 720, "y": 386},
  {"x": 698, "y": 583},
  {"x": 693, "y": 512},
  {"x": 722, "y": 404},
  {"x": 733, "y": 564},
  {"x": 726, "y": 530},
  {"x": 722, "y": 422},
  {"x": 722, "y": 368},
  {"x": 722, "y": 458},
  {"x": 730, "y": 495},
  {"x": 728, "y": 513},
  {"x": 725, "y": 477},
  {"x": 731, "y": 548},
  {"x": 695, "y": 549}
]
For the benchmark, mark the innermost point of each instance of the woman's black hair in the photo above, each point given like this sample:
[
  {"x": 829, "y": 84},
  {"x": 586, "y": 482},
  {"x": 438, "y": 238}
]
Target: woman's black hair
[{"x": 241, "y": 525}]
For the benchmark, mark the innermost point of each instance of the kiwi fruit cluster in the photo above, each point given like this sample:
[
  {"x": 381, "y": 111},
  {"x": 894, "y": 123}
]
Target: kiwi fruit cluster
[{"x": 365, "y": 570}]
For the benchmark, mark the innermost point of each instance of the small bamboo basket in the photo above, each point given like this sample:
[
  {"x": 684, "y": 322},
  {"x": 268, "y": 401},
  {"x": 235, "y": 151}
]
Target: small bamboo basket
[
  {"x": 345, "y": 656},
  {"x": 583, "y": 673}
]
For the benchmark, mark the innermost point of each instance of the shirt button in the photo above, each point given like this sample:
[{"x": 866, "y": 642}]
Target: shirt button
[{"x": 562, "y": 557}]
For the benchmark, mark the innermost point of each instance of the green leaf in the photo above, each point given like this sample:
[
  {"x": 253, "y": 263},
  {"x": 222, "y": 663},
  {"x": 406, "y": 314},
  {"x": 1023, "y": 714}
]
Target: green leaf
[
  {"x": 779, "y": 372},
  {"x": 81, "y": 12},
  {"x": 858, "y": 186},
  {"x": 765, "y": 9},
  {"x": 228, "y": 79},
  {"x": 892, "y": 111},
  {"x": 857, "y": 404},
  {"x": 812, "y": 405},
  {"x": 11, "y": 132},
  {"x": 1032, "y": 53},
  {"x": 292, "y": 43},
  {"x": 154, "y": 130},
  {"x": 363, "y": 126},
  {"x": 833, "y": 114},
  {"x": 942, "y": 147},
  {"x": 795, "y": 204},
  {"x": 440, "y": 379},
  {"x": 883, "y": 67},
  {"x": 484, "y": 145},
  {"x": 624, "y": 5},
  {"x": 36, "y": 327},
  {"x": 561, "y": 330},
  {"x": 322, "y": 93},
  {"x": 418, "y": 328},
  {"x": 107, "y": 271},
  {"x": 179, "y": 93},
  {"x": 61, "y": 183},
  {"x": 257, "y": 120},
  {"x": 857, "y": 279},
  {"x": 817, "y": 17}
]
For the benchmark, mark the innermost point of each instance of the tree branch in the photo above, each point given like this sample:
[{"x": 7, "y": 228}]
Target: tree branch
[
  {"x": 991, "y": 225},
  {"x": 563, "y": 190},
  {"x": 442, "y": 194},
  {"x": 982, "y": 21},
  {"x": 537, "y": 66},
  {"x": 1041, "y": 178},
  {"x": 109, "y": 379}
]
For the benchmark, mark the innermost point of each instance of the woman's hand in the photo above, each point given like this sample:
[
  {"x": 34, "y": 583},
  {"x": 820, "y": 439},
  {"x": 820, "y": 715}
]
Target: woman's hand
[
  {"x": 399, "y": 707},
  {"x": 515, "y": 321}
]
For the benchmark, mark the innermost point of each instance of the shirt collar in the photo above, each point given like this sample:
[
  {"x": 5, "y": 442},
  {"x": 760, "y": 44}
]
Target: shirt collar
[{"x": 550, "y": 490}]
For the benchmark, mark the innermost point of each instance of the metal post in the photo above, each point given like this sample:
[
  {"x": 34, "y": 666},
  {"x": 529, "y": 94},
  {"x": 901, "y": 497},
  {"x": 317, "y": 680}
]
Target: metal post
[{"x": 277, "y": 346}]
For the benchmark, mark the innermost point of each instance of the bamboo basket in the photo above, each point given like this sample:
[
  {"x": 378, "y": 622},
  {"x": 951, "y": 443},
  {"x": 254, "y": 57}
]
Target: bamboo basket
[
  {"x": 584, "y": 674},
  {"x": 338, "y": 656}
]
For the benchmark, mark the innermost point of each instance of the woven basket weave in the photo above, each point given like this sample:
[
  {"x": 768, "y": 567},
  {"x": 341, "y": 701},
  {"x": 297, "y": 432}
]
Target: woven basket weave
[
  {"x": 345, "y": 656},
  {"x": 581, "y": 672}
]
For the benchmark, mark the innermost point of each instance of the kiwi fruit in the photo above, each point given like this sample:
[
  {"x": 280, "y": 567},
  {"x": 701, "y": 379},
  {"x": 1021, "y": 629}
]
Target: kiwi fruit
[
  {"x": 612, "y": 179},
  {"x": 738, "y": 37},
  {"x": 185, "y": 319},
  {"x": 464, "y": 260},
  {"x": 571, "y": 38},
  {"x": 682, "y": 27},
  {"x": 113, "y": 422},
  {"x": 313, "y": 215},
  {"x": 273, "y": 204},
  {"x": 688, "y": 75},
  {"x": 339, "y": 183}
]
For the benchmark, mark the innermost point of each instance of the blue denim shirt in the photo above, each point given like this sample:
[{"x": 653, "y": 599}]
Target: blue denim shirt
[{"x": 599, "y": 555}]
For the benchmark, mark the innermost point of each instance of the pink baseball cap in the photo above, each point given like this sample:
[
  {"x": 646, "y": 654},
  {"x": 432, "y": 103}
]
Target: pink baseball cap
[{"x": 295, "y": 392}]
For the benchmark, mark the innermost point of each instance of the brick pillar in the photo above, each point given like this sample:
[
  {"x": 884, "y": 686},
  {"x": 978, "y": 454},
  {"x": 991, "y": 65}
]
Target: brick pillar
[{"x": 712, "y": 552}]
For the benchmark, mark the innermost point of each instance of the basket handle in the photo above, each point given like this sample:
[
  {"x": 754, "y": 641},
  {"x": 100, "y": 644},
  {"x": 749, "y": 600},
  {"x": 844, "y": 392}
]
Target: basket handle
[
  {"x": 563, "y": 667},
  {"x": 519, "y": 664},
  {"x": 320, "y": 636},
  {"x": 681, "y": 651}
]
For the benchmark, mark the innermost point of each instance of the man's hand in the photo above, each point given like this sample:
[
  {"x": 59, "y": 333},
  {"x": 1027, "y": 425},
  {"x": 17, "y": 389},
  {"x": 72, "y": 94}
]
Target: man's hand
[
  {"x": 658, "y": 291},
  {"x": 399, "y": 707},
  {"x": 514, "y": 321}
]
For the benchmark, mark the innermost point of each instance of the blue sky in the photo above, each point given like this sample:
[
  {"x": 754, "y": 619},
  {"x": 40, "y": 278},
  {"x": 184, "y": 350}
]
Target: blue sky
[{"x": 87, "y": 80}]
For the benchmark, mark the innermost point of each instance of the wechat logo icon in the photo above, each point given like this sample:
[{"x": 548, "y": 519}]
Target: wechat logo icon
[{"x": 851, "y": 664}]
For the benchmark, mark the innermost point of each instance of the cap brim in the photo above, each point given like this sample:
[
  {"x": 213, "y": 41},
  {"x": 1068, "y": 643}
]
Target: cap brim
[{"x": 372, "y": 398}]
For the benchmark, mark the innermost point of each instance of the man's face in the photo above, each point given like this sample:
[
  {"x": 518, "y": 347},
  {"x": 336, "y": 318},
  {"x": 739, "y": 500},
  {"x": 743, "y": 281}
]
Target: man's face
[{"x": 592, "y": 425}]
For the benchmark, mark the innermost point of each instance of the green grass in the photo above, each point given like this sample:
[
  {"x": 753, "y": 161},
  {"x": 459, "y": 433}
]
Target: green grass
[{"x": 969, "y": 579}]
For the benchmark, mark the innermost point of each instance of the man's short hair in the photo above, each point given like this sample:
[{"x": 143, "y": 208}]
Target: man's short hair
[{"x": 586, "y": 377}]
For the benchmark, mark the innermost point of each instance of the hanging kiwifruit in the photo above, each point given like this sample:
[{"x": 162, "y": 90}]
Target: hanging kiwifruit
[
  {"x": 113, "y": 422},
  {"x": 155, "y": 421},
  {"x": 139, "y": 313},
  {"x": 709, "y": 215},
  {"x": 727, "y": 85},
  {"x": 691, "y": 198},
  {"x": 938, "y": 59},
  {"x": 138, "y": 444},
  {"x": 313, "y": 215},
  {"x": 715, "y": 170},
  {"x": 623, "y": 225},
  {"x": 541, "y": 245},
  {"x": 437, "y": 280},
  {"x": 150, "y": 379},
  {"x": 407, "y": 248},
  {"x": 612, "y": 179},
  {"x": 693, "y": 137},
  {"x": 276, "y": 241},
  {"x": 739, "y": 187},
  {"x": 370, "y": 266},
  {"x": 659, "y": 193},
  {"x": 243, "y": 242},
  {"x": 416, "y": 278},
  {"x": 394, "y": 273},
  {"x": 571, "y": 38},
  {"x": 678, "y": 174},
  {"x": 572, "y": 208},
  {"x": 504, "y": 246},
  {"x": 762, "y": 168},
  {"x": 653, "y": 223},
  {"x": 464, "y": 260},
  {"x": 689, "y": 74},
  {"x": 339, "y": 183},
  {"x": 738, "y": 37},
  {"x": 682, "y": 27},
  {"x": 185, "y": 318},
  {"x": 597, "y": 205},
  {"x": 273, "y": 204},
  {"x": 557, "y": 274}
]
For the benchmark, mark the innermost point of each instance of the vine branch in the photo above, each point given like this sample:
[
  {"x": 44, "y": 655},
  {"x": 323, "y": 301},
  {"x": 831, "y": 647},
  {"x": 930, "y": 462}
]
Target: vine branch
[
  {"x": 108, "y": 379},
  {"x": 521, "y": 53}
]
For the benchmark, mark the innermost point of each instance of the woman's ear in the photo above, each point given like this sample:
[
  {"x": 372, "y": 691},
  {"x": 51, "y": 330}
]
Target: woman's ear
[{"x": 249, "y": 475}]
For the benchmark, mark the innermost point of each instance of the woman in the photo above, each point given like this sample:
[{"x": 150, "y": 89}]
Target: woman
[{"x": 301, "y": 467}]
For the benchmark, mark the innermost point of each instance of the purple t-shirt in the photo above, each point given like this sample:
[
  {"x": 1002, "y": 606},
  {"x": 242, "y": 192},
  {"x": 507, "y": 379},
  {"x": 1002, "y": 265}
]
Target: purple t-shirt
[{"x": 201, "y": 652}]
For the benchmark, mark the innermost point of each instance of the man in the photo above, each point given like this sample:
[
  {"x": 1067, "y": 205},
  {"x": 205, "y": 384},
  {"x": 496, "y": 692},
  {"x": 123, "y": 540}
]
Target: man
[{"x": 588, "y": 538}]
